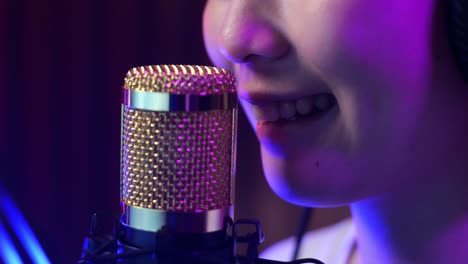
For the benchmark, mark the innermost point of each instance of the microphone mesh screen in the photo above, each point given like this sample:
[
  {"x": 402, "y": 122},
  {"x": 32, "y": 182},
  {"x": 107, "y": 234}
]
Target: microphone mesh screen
[
  {"x": 180, "y": 79},
  {"x": 176, "y": 161}
]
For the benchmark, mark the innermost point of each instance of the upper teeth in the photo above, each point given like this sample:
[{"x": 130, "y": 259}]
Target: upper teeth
[
  {"x": 305, "y": 106},
  {"x": 289, "y": 109}
]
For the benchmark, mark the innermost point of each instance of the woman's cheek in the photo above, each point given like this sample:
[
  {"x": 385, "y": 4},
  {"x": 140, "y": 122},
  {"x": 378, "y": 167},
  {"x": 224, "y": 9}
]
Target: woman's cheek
[{"x": 213, "y": 19}]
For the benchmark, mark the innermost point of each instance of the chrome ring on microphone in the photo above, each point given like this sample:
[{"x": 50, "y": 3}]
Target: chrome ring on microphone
[
  {"x": 152, "y": 220},
  {"x": 165, "y": 102}
]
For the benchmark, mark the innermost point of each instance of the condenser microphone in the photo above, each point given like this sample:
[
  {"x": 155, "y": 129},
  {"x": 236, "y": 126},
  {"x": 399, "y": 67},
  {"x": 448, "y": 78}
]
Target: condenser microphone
[
  {"x": 177, "y": 154},
  {"x": 178, "y": 151}
]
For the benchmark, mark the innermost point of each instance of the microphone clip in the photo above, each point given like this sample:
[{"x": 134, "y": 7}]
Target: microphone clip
[{"x": 170, "y": 247}]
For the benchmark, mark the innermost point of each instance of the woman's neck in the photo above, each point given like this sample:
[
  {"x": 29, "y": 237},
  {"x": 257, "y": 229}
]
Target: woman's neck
[
  {"x": 428, "y": 224},
  {"x": 427, "y": 220}
]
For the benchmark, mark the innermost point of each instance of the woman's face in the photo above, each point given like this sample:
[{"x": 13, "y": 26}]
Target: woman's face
[{"x": 338, "y": 92}]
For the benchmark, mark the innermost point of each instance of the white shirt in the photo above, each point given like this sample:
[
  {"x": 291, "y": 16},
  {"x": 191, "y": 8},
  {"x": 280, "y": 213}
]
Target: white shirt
[{"x": 332, "y": 245}]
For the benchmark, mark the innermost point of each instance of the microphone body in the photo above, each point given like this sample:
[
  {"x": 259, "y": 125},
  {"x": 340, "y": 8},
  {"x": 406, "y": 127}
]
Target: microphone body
[
  {"x": 178, "y": 147},
  {"x": 178, "y": 151}
]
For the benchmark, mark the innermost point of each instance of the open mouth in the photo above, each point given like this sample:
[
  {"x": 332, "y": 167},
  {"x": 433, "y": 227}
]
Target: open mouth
[{"x": 290, "y": 110}]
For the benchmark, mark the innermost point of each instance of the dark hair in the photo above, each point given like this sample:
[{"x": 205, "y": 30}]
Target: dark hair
[{"x": 457, "y": 32}]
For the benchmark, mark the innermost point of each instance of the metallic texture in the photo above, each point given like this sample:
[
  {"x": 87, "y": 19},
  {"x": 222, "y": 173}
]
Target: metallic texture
[
  {"x": 180, "y": 79},
  {"x": 177, "y": 161},
  {"x": 178, "y": 139},
  {"x": 155, "y": 101},
  {"x": 180, "y": 222}
]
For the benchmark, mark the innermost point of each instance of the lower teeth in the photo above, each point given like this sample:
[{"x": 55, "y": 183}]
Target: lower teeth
[{"x": 299, "y": 116}]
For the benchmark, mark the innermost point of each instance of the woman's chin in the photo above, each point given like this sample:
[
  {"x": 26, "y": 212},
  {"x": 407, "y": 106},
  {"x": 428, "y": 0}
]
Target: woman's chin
[{"x": 321, "y": 180}]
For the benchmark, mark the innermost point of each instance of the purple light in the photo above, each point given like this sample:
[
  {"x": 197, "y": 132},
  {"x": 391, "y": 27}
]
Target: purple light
[
  {"x": 8, "y": 252},
  {"x": 22, "y": 230}
]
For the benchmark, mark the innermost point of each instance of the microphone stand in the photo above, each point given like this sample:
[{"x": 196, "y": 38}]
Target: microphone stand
[{"x": 168, "y": 249}]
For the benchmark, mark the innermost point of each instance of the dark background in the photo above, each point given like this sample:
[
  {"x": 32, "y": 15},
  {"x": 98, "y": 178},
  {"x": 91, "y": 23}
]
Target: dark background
[{"x": 62, "y": 65}]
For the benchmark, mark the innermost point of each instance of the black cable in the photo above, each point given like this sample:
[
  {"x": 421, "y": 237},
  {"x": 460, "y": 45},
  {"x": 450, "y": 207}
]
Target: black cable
[
  {"x": 302, "y": 227},
  {"x": 297, "y": 261}
]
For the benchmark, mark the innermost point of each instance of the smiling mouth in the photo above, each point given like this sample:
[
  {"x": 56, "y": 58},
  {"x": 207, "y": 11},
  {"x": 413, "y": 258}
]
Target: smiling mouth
[{"x": 290, "y": 110}]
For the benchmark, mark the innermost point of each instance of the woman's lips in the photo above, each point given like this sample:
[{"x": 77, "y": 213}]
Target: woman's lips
[
  {"x": 292, "y": 109},
  {"x": 283, "y": 132}
]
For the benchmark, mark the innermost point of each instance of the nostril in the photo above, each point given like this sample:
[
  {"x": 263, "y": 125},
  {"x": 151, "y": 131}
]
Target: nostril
[
  {"x": 232, "y": 48},
  {"x": 242, "y": 40}
]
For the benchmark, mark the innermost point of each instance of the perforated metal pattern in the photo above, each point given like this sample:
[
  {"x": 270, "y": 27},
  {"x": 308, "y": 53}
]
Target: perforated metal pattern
[
  {"x": 177, "y": 161},
  {"x": 180, "y": 79}
]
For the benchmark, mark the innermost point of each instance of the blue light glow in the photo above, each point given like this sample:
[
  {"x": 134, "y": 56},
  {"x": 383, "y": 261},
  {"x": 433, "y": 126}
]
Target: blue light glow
[
  {"x": 7, "y": 249},
  {"x": 20, "y": 227}
]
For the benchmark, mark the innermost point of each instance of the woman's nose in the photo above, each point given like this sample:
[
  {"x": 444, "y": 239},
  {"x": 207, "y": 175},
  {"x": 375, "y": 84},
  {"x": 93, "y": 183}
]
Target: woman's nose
[{"x": 246, "y": 34}]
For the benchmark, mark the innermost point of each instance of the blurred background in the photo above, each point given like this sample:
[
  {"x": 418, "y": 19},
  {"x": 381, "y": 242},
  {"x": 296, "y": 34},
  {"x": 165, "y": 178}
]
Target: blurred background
[{"x": 62, "y": 65}]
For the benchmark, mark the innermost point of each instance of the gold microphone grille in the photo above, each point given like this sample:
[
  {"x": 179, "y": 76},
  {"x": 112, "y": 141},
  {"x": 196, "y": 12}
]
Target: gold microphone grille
[
  {"x": 178, "y": 160},
  {"x": 180, "y": 79}
]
